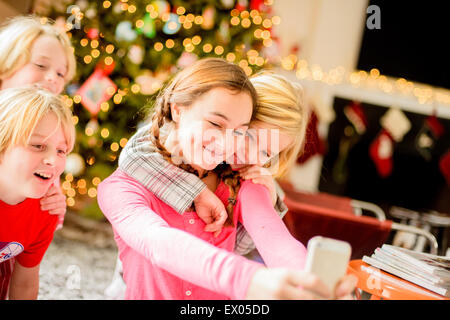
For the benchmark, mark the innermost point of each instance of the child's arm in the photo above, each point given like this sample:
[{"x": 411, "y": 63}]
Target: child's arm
[
  {"x": 174, "y": 186},
  {"x": 259, "y": 175},
  {"x": 273, "y": 240},
  {"x": 127, "y": 205},
  {"x": 276, "y": 245},
  {"x": 263, "y": 176},
  {"x": 24, "y": 283}
]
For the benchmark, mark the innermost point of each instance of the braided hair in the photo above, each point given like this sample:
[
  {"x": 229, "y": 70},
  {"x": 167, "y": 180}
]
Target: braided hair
[{"x": 187, "y": 86}]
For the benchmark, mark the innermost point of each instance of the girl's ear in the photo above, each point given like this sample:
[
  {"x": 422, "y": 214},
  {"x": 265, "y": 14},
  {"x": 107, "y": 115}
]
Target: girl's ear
[{"x": 175, "y": 112}]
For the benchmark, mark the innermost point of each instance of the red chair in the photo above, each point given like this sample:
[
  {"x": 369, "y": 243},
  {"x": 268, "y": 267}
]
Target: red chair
[{"x": 312, "y": 214}]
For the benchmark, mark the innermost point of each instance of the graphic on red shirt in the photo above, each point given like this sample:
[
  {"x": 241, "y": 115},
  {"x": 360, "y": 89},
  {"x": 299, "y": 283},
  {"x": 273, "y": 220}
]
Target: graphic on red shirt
[
  {"x": 9, "y": 250},
  {"x": 29, "y": 227}
]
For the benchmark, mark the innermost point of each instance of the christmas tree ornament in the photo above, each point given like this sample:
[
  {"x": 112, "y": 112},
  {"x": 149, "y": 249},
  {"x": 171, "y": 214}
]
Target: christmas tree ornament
[
  {"x": 241, "y": 5},
  {"x": 227, "y": 4},
  {"x": 117, "y": 8},
  {"x": 125, "y": 32},
  {"x": 224, "y": 32},
  {"x": 161, "y": 7},
  {"x": 82, "y": 4},
  {"x": 148, "y": 28},
  {"x": 172, "y": 25},
  {"x": 93, "y": 125},
  {"x": 209, "y": 15},
  {"x": 72, "y": 89},
  {"x": 91, "y": 13},
  {"x": 136, "y": 54},
  {"x": 74, "y": 164},
  {"x": 92, "y": 141},
  {"x": 106, "y": 68},
  {"x": 428, "y": 135},
  {"x": 394, "y": 125},
  {"x": 97, "y": 89},
  {"x": 121, "y": 52},
  {"x": 257, "y": 5},
  {"x": 92, "y": 33}
]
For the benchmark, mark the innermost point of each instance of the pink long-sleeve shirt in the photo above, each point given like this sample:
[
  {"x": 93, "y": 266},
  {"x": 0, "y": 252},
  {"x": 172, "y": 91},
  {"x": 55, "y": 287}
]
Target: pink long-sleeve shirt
[{"x": 166, "y": 255}]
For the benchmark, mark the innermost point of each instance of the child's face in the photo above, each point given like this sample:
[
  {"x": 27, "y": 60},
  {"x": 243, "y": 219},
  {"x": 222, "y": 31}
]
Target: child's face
[
  {"x": 30, "y": 170},
  {"x": 209, "y": 128},
  {"x": 262, "y": 143},
  {"x": 47, "y": 67}
]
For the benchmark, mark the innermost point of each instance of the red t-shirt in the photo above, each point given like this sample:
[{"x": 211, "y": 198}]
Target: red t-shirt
[{"x": 25, "y": 234}]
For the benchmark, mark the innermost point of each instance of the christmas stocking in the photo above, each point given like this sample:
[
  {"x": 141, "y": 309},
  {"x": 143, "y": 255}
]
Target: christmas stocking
[
  {"x": 313, "y": 142},
  {"x": 355, "y": 114},
  {"x": 430, "y": 132},
  {"x": 381, "y": 151},
  {"x": 444, "y": 166},
  {"x": 394, "y": 126},
  {"x": 352, "y": 134}
]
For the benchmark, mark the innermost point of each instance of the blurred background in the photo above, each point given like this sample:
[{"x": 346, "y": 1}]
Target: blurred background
[{"x": 375, "y": 73}]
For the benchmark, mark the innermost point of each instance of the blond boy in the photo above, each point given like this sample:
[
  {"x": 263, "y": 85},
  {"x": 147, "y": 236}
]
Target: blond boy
[{"x": 36, "y": 134}]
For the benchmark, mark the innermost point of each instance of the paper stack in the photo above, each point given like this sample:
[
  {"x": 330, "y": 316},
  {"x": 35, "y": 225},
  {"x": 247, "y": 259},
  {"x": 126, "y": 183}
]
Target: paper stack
[{"x": 429, "y": 271}]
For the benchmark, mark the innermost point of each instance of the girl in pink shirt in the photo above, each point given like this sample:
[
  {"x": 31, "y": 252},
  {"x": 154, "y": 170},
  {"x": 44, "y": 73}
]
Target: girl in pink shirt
[{"x": 169, "y": 256}]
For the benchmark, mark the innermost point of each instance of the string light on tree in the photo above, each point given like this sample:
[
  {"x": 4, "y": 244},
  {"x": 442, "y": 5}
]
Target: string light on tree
[{"x": 132, "y": 47}]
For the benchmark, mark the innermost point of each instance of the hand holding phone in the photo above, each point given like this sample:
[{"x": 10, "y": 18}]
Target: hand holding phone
[{"x": 328, "y": 259}]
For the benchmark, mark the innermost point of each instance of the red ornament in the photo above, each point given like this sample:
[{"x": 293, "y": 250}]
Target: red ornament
[
  {"x": 241, "y": 5},
  {"x": 97, "y": 89},
  {"x": 93, "y": 33},
  {"x": 257, "y": 5},
  {"x": 107, "y": 69}
]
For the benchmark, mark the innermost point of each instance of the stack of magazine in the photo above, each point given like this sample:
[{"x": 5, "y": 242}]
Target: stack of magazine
[{"x": 426, "y": 270}]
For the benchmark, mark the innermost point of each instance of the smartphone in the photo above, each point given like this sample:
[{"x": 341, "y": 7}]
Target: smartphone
[{"x": 328, "y": 259}]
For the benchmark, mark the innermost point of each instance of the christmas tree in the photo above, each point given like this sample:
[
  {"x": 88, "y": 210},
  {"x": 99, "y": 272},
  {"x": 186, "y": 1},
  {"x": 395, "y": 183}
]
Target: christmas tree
[{"x": 126, "y": 50}]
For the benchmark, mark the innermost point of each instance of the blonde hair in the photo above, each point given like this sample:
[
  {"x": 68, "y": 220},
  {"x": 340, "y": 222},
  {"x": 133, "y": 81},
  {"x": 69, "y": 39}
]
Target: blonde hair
[
  {"x": 17, "y": 37},
  {"x": 185, "y": 88},
  {"x": 280, "y": 104},
  {"x": 22, "y": 108}
]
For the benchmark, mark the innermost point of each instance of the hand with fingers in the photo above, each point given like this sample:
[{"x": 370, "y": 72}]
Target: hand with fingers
[
  {"x": 345, "y": 287},
  {"x": 55, "y": 203},
  {"x": 260, "y": 175},
  {"x": 284, "y": 284},
  {"x": 211, "y": 210}
]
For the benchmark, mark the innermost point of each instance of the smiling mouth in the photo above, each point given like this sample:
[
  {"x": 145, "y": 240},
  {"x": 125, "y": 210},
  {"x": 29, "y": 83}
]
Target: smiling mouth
[{"x": 43, "y": 176}]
